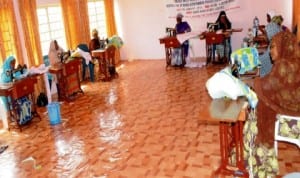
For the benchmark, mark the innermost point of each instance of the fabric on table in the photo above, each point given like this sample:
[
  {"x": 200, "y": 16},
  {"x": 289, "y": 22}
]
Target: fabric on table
[
  {"x": 247, "y": 59},
  {"x": 224, "y": 84}
]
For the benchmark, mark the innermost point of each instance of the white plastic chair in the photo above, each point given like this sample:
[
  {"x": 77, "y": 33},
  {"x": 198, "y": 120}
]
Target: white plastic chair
[{"x": 279, "y": 137}]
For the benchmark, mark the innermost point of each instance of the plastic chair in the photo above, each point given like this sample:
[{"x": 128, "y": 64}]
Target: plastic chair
[
  {"x": 247, "y": 61},
  {"x": 285, "y": 130}
]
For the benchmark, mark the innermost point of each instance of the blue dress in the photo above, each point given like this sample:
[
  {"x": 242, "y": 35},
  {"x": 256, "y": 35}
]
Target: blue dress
[{"x": 23, "y": 105}]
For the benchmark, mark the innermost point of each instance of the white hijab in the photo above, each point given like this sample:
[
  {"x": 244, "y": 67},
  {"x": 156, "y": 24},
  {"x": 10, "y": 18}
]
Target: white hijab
[{"x": 53, "y": 53}]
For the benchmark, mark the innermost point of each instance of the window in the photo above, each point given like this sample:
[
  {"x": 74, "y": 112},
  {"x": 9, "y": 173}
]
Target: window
[
  {"x": 97, "y": 20},
  {"x": 51, "y": 27}
]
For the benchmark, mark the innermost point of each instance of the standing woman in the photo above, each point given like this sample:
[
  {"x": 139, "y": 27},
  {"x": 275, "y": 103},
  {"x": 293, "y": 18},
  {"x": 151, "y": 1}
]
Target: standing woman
[
  {"x": 223, "y": 25},
  {"x": 181, "y": 27}
]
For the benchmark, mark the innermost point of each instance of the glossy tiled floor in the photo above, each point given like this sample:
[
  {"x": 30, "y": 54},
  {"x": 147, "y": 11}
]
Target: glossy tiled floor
[{"x": 146, "y": 123}]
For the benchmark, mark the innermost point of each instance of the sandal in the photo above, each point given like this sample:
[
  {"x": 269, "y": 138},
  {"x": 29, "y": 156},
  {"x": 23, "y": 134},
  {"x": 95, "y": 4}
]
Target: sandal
[{"x": 3, "y": 148}]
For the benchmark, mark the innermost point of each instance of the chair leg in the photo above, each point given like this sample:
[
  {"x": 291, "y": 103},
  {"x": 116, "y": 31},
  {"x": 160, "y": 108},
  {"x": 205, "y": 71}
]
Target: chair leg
[{"x": 276, "y": 147}]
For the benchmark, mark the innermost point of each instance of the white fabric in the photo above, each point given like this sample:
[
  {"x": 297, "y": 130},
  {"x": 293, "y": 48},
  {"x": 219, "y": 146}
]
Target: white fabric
[
  {"x": 86, "y": 55},
  {"x": 186, "y": 36},
  {"x": 193, "y": 64},
  {"x": 42, "y": 69},
  {"x": 191, "y": 54},
  {"x": 224, "y": 84},
  {"x": 53, "y": 88},
  {"x": 38, "y": 70},
  {"x": 47, "y": 86},
  {"x": 221, "y": 85}
]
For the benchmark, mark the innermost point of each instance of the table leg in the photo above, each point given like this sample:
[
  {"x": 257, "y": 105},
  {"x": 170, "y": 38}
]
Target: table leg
[
  {"x": 230, "y": 141},
  {"x": 103, "y": 68},
  {"x": 208, "y": 53},
  {"x": 182, "y": 56},
  {"x": 168, "y": 56}
]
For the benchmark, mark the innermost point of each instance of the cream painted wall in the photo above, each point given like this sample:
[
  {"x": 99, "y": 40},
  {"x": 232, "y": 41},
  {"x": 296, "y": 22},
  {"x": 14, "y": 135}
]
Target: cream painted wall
[{"x": 143, "y": 22}]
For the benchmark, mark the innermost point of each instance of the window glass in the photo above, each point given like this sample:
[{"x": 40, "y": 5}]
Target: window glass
[
  {"x": 51, "y": 27},
  {"x": 96, "y": 12}
]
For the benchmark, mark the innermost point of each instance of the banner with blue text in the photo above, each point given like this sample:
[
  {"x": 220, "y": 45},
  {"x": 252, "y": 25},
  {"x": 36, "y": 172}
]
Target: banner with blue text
[{"x": 199, "y": 8}]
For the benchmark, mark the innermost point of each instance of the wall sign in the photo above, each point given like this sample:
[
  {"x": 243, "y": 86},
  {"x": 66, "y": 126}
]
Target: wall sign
[{"x": 199, "y": 8}]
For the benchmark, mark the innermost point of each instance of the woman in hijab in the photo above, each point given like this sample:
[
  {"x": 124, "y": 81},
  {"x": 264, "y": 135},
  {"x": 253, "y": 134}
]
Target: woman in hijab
[
  {"x": 223, "y": 25},
  {"x": 279, "y": 90},
  {"x": 55, "y": 55},
  {"x": 266, "y": 62},
  {"x": 55, "y": 52},
  {"x": 7, "y": 69},
  {"x": 282, "y": 84},
  {"x": 24, "y": 104},
  {"x": 5, "y": 77}
]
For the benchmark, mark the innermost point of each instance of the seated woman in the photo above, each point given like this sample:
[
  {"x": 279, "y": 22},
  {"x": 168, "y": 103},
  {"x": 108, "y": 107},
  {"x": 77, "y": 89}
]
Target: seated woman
[
  {"x": 56, "y": 55},
  {"x": 95, "y": 41},
  {"x": 279, "y": 90},
  {"x": 223, "y": 25},
  {"x": 23, "y": 104},
  {"x": 266, "y": 62},
  {"x": 270, "y": 14},
  {"x": 181, "y": 27}
]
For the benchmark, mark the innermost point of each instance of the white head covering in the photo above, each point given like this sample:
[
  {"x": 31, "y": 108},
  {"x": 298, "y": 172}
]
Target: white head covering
[
  {"x": 179, "y": 15},
  {"x": 271, "y": 13},
  {"x": 54, "y": 53}
]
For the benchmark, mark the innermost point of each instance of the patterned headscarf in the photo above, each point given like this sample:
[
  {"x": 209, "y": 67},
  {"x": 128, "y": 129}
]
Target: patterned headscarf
[
  {"x": 286, "y": 44},
  {"x": 282, "y": 86},
  {"x": 278, "y": 19}
]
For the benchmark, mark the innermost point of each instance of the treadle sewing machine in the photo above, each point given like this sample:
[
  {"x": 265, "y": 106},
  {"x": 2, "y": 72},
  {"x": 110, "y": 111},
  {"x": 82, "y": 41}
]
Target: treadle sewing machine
[
  {"x": 170, "y": 41},
  {"x": 15, "y": 90}
]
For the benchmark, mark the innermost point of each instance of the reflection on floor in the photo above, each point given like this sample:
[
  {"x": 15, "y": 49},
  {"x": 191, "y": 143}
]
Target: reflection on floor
[{"x": 146, "y": 123}]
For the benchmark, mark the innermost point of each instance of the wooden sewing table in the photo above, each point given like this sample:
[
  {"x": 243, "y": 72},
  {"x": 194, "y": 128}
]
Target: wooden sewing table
[
  {"x": 214, "y": 38},
  {"x": 101, "y": 56},
  {"x": 19, "y": 89},
  {"x": 68, "y": 78},
  {"x": 171, "y": 42},
  {"x": 231, "y": 115}
]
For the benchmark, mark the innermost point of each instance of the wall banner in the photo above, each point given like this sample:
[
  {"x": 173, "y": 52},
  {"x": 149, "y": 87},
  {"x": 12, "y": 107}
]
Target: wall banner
[{"x": 199, "y": 8}]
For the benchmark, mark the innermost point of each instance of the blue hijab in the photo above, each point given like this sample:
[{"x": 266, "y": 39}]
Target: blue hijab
[{"x": 6, "y": 70}]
